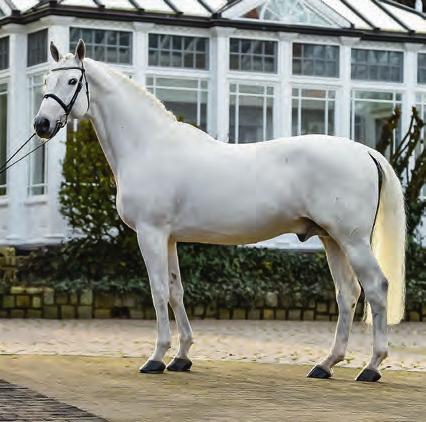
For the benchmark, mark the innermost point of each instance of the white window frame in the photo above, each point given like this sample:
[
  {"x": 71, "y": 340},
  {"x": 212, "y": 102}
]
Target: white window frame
[
  {"x": 324, "y": 44},
  {"x": 383, "y": 48},
  {"x": 251, "y": 39},
  {"x": 110, "y": 29}
]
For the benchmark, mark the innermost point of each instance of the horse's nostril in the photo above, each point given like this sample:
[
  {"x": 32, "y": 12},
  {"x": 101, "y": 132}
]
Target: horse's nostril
[{"x": 42, "y": 125}]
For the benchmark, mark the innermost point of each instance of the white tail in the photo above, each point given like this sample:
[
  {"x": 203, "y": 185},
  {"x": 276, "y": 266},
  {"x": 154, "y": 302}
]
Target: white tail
[{"x": 388, "y": 241}]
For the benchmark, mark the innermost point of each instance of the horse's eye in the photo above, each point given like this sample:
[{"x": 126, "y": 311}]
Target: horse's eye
[{"x": 72, "y": 81}]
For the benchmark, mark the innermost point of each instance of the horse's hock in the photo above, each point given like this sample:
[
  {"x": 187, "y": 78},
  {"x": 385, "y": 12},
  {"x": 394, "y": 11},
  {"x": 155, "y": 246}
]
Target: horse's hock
[{"x": 26, "y": 301}]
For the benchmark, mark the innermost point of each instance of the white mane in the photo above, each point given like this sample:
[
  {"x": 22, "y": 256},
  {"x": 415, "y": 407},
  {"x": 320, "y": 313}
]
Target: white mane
[{"x": 155, "y": 102}]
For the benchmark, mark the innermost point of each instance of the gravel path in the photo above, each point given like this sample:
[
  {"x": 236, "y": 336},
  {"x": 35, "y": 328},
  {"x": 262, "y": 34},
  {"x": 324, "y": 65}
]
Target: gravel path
[{"x": 260, "y": 341}]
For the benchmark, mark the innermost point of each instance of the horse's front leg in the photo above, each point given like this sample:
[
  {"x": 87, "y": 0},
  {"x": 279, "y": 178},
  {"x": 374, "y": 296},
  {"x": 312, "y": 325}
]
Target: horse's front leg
[
  {"x": 181, "y": 362},
  {"x": 153, "y": 245}
]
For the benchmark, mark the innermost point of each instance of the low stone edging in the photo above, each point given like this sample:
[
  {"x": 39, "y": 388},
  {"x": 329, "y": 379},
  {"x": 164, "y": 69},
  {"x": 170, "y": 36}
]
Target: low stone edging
[{"x": 45, "y": 302}]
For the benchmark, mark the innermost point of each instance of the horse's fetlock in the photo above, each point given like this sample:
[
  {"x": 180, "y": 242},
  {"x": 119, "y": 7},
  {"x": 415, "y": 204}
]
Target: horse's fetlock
[{"x": 164, "y": 344}]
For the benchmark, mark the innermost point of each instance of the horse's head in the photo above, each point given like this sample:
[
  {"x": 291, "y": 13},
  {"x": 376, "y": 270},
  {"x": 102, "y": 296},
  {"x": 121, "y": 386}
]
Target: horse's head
[{"x": 66, "y": 92}]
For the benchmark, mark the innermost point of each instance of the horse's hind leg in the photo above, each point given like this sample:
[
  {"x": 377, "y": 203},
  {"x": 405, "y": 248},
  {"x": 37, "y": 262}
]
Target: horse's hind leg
[
  {"x": 181, "y": 361},
  {"x": 375, "y": 288},
  {"x": 347, "y": 294}
]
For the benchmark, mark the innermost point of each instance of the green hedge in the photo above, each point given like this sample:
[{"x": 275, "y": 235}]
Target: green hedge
[{"x": 229, "y": 276}]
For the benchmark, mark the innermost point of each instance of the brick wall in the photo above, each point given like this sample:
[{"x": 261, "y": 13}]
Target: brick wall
[{"x": 43, "y": 302}]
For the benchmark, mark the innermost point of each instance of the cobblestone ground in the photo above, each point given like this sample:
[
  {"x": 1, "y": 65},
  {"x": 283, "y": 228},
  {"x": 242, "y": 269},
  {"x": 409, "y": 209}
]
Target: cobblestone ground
[
  {"x": 19, "y": 404},
  {"x": 215, "y": 391},
  {"x": 261, "y": 341}
]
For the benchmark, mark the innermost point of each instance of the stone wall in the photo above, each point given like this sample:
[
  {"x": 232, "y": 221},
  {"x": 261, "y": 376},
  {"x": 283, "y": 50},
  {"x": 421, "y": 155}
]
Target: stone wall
[{"x": 43, "y": 302}]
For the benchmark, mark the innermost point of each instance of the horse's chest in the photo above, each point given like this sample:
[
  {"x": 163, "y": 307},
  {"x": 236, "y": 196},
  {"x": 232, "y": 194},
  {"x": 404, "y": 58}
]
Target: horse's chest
[{"x": 141, "y": 203}]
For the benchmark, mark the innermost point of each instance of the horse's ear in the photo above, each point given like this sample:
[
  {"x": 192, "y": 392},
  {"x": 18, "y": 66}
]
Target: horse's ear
[
  {"x": 80, "y": 50},
  {"x": 54, "y": 52}
]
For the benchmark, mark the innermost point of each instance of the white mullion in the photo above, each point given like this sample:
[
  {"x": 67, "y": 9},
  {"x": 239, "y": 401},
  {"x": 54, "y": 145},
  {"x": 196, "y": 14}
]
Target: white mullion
[
  {"x": 237, "y": 113},
  {"x": 299, "y": 111},
  {"x": 264, "y": 112},
  {"x": 326, "y": 113},
  {"x": 198, "y": 102}
]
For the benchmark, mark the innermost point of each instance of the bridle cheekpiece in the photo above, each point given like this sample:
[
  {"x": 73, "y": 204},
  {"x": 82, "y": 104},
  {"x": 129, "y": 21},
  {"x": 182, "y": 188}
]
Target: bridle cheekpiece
[{"x": 68, "y": 107}]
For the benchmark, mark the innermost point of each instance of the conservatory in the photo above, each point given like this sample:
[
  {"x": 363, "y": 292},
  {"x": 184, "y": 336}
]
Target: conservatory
[{"x": 242, "y": 70}]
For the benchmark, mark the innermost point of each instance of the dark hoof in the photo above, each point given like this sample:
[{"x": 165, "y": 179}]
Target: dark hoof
[
  {"x": 179, "y": 365},
  {"x": 153, "y": 367},
  {"x": 368, "y": 375},
  {"x": 319, "y": 372}
]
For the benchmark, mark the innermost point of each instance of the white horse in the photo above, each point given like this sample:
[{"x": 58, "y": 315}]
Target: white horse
[{"x": 175, "y": 183}]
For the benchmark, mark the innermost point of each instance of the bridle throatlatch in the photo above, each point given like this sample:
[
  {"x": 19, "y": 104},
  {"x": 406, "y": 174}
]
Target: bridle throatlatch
[
  {"x": 68, "y": 107},
  {"x": 60, "y": 123}
]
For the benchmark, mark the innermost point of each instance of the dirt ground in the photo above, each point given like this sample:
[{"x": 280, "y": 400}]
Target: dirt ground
[
  {"x": 288, "y": 342},
  {"x": 111, "y": 388}
]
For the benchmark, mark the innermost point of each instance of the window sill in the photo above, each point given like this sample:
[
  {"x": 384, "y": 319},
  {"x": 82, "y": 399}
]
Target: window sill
[
  {"x": 4, "y": 201},
  {"x": 36, "y": 200}
]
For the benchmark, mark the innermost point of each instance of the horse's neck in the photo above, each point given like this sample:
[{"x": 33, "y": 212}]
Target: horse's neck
[{"x": 125, "y": 118}]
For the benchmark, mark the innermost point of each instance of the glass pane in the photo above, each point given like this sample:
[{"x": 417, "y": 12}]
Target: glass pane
[
  {"x": 294, "y": 117},
  {"x": 250, "y": 115},
  {"x": 252, "y": 89},
  {"x": 313, "y": 117},
  {"x": 370, "y": 118}
]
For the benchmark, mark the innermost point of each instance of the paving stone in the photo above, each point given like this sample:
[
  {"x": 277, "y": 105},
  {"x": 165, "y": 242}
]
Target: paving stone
[
  {"x": 253, "y": 314},
  {"x": 294, "y": 314},
  {"x": 8, "y": 301},
  {"x": 17, "y": 290},
  {"x": 67, "y": 312},
  {"x": 61, "y": 298},
  {"x": 34, "y": 313},
  {"x": 224, "y": 313},
  {"x": 23, "y": 301},
  {"x": 86, "y": 297},
  {"x": 22, "y": 404},
  {"x": 50, "y": 312},
  {"x": 17, "y": 313},
  {"x": 102, "y": 313},
  {"x": 268, "y": 314},
  {"x": 36, "y": 302},
  {"x": 48, "y": 296},
  {"x": 84, "y": 312},
  {"x": 73, "y": 298},
  {"x": 239, "y": 313},
  {"x": 34, "y": 290},
  {"x": 280, "y": 314},
  {"x": 136, "y": 314},
  {"x": 308, "y": 315}
]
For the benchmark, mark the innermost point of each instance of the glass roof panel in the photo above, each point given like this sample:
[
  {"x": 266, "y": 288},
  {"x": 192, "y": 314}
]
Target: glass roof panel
[
  {"x": 347, "y": 13},
  {"x": 412, "y": 20},
  {"x": 191, "y": 7},
  {"x": 377, "y": 15}
]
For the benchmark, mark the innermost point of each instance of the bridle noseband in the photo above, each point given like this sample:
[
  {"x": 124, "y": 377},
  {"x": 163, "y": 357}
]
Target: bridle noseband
[{"x": 68, "y": 107}]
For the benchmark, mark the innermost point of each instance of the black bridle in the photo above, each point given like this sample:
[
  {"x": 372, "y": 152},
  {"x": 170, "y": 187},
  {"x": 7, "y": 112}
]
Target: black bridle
[
  {"x": 68, "y": 107},
  {"x": 59, "y": 123}
]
